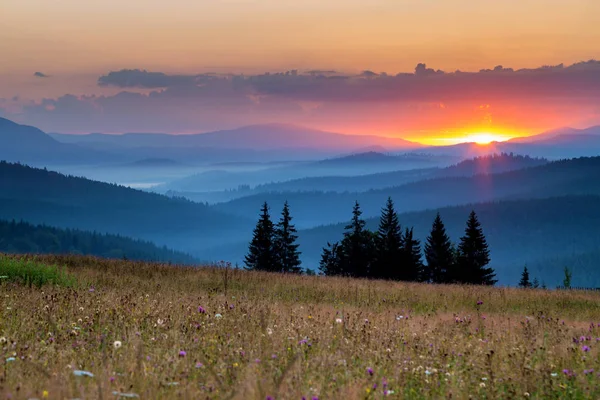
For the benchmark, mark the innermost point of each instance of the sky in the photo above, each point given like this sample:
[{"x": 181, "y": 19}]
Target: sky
[{"x": 68, "y": 65}]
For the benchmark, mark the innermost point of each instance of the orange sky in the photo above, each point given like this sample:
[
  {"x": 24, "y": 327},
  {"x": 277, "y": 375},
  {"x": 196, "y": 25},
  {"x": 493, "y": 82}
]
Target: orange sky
[{"x": 76, "y": 41}]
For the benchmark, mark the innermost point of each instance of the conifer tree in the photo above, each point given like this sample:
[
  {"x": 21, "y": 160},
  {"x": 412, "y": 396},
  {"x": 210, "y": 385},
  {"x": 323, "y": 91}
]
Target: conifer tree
[
  {"x": 261, "y": 252},
  {"x": 535, "y": 284},
  {"x": 357, "y": 246},
  {"x": 287, "y": 256},
  {"x": 389, "y": 247},
  {"x": 413, "y": 265},
  {"x": 524, "y": 282},
  {"x": 330, "y": 264},
  {"x": 474, "y": 255},
  {"x": 439, "y": 254}
]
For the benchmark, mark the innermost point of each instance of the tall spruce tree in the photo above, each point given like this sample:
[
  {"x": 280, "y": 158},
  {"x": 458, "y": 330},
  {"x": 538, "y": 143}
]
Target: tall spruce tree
[
  {"x": 287, "y": 256},
  {"x": 261, "y": 252},
  {"x": 357, "y": 246},
  {"x": 525, "y": 282},
  {"x": 474, "y": 255},
  {"x": 413, "y": 264},
  {"x": 389, "y": 247},
  {"x": 439, "y": 254}
]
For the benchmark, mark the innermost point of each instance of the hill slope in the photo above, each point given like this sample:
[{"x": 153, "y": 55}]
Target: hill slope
[
  {"x": 41, "y": 196},
  {"x": 577, "y": 176},
  {"x": 22, "y": 237}
]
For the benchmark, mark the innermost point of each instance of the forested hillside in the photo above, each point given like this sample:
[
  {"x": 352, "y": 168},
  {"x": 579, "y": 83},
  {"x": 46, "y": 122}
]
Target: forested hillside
[
  {"x": 41, "y": 196},
  {"x": 22, "y": 237},
  {"x": 575, "y": 176}
]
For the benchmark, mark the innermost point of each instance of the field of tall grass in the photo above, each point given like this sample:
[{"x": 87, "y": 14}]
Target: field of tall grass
[{"x": 120, "y": 329}]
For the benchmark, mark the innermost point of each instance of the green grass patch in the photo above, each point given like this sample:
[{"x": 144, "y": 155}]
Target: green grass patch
[{"x": 33, "y": 273}]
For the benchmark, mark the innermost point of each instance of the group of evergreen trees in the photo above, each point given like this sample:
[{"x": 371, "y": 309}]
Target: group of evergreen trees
[
  {"x": 391, "y": 253},
  {"x": 388, "y": 253},
  {"x": 273, "y": 247}
]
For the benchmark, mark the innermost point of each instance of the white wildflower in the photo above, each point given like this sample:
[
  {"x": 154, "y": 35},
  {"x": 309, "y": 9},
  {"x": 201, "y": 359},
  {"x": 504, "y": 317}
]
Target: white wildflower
[
  {"x": 269, "y": 331},
  {"x": 117, "y": 344},
  {"x": 338, "y": 320}
]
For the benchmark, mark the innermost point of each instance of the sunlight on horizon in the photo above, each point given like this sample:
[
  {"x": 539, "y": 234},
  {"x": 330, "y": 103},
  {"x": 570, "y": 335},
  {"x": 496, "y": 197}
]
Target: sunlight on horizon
[{"x": 481, "y": 138}]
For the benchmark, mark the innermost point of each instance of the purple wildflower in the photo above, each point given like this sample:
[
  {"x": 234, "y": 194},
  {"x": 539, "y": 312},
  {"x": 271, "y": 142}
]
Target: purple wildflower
[
  {"x": 201, "y": 310},
  {"x": 370, "y": 371},
  {"x": 585, "y": 349},
  {"x": 588, "y": 371},
  {"x": 231, "y": 306},
  {"x": 182, "y": 353},
  {"x": 112, "y": 379},
  {"x": 479, "y": 302},
  {"x": 199, "y": 365}
]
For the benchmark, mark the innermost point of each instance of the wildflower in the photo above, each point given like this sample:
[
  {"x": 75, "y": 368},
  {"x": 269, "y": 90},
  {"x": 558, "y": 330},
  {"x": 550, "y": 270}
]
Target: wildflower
[
  {"x": 270, "y": 398},
  {"x": 231, "y": 306},
  {"x": 45, "y": 394},
  {"x": 482, "y": 385},
  {"x": 218, "y": 316},
  {"x": 112, "y": 379},
  {"x": 2, "y": 340},
  {"x": 269, "y": 331},
  {"x": 370, "y": 371},
  {"x": 201, "y": 310},
  {"x": 479, "y": 302},
  {"x": 399, "y": 317},
  {"x": 9, "y": 359},
  {"x": 554, "y": 374},
  {"x": 117, "y": 344},
  {"x": 199, "y": 365},
  {"x": 235, "y": 365},
  {"x": 526, "y": 394},
  {"x": 588, "y": 371},
  {"x": 338, "y": 320},
  {"x": 585, "y": 349},
  {"x": 182, "y": 353},
  {"x": 257, "y": 360}
]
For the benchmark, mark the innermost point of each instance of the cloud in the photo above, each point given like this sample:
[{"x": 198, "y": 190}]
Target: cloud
[
  {"x": 426, "y": 99},
  {"x": 136, "y": 78},
  {"x": 40, "y": 75}
]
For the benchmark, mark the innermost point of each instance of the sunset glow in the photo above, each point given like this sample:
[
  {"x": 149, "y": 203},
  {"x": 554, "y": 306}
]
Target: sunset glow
[{"x": 484, "y": 138}]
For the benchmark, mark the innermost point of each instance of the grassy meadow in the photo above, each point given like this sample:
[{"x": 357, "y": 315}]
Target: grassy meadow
[{"x": 90, "y": 328}]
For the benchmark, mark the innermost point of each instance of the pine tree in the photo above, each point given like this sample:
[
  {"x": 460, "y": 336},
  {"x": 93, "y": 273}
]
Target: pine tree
[
  {"x": 330, "y": 264},
  {"x": 389, "y": 247},
  {"x": 524, "y": 282},
  {"x": 567, "y": 279},
  {"x": 439, "y": 254},
  {"x": 474, "y": 255},
  {"x": 357, "y": 246},
  {"x": 287, "y": 254},
  {"x": 261, "y": 252},
  {"x": 413, "y": 265},
  {"x": 536, "y": 283}
]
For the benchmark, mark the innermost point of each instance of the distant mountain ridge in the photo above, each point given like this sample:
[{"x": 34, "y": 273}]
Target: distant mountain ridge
[
  {"x": 264, "y": 137},
  {"x": 27, "y": 144}
]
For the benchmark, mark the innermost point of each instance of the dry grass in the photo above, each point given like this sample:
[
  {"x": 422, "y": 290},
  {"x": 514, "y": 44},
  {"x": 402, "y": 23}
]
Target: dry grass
[{"x": 290, "y": 337}]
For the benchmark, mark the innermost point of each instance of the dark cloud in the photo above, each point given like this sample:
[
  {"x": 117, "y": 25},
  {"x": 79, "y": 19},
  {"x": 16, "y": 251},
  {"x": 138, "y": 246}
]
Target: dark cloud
[
  {"x": 40, "y": 75},
  {"x": 136, "y": 78}
]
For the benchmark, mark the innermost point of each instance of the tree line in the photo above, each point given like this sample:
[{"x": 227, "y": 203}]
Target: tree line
[
  {"x": 23, "y": 237},
  {"x": 388, "y": 253}
]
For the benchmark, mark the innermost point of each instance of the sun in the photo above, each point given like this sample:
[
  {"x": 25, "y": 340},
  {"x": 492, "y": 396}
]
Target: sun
[{"x": 484, "y": 138}]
